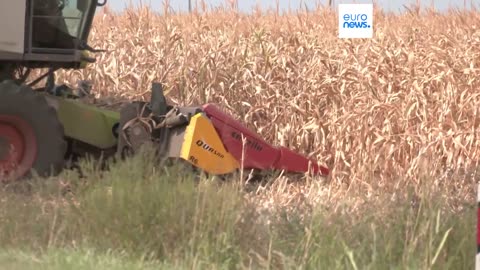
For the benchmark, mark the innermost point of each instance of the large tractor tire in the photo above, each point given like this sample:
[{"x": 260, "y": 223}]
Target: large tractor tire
[{"x": 31, "y": 136}]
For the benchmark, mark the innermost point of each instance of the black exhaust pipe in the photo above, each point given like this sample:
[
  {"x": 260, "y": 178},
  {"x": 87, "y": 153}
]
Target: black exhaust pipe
[{"x": 158, "y": 103}]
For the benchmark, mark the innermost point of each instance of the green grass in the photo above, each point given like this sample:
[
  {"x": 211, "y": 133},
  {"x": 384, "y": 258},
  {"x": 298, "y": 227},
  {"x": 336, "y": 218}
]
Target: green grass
[
  {"x": 137, "y": 216},
  {"x": 57, "y": 259}
]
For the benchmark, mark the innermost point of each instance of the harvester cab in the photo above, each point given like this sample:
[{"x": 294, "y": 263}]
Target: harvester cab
[
  {"x": 40, "y": 129},
  {"x": 46, "y": 33}
]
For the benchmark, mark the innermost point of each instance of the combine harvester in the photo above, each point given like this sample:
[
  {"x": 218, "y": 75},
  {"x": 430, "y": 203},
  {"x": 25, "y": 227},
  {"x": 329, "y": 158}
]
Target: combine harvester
[{"x": 40, "y": 127}]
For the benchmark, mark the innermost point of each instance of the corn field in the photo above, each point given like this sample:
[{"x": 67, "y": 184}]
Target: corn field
[
  {"x": 394, "y": 117},
  {"x": 381, "y": 113}
]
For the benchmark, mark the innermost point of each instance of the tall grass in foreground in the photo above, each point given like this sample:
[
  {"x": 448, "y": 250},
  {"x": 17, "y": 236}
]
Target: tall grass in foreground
[{"x": 147, "y": 216}]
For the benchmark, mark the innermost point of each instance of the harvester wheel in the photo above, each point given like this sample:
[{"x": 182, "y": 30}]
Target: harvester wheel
[{"x": 31, "y": 136}]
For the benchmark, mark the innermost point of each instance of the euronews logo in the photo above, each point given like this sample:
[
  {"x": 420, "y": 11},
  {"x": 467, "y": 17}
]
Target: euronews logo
[{"x": 355, "y": 20}]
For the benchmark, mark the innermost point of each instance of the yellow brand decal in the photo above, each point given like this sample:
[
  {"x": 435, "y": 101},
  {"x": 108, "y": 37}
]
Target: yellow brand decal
[{"x": 204, "y": 149}]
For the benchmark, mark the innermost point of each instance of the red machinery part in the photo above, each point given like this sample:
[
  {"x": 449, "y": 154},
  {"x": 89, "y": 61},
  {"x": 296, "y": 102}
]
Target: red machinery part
[
  {"x": 18, "y": 146},
  {"x": 258, "y": 154},
  {"x": 292, "y": 161}
]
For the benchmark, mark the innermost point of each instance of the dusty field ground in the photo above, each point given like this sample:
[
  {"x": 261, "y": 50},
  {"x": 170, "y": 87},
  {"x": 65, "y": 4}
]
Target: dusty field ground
[{"x": 396, "y": 117}]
